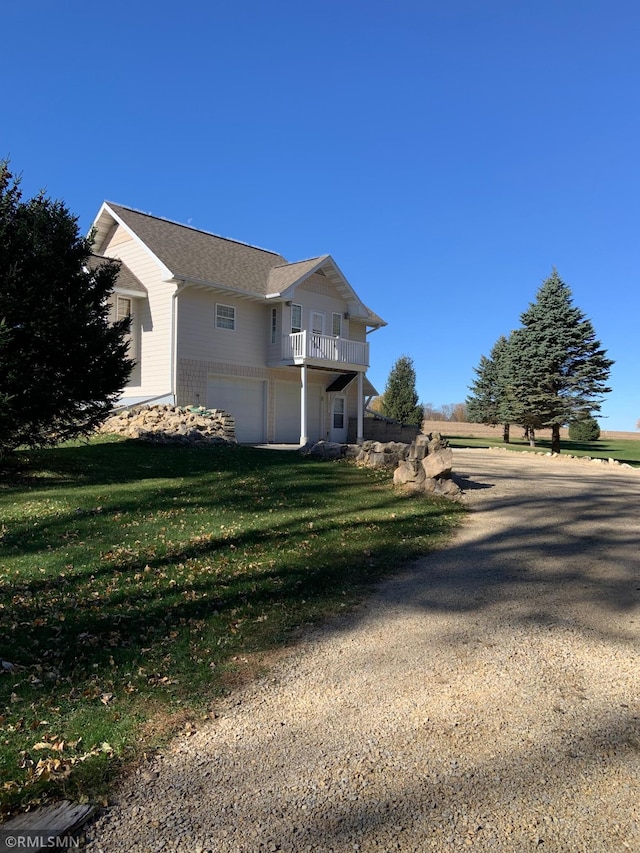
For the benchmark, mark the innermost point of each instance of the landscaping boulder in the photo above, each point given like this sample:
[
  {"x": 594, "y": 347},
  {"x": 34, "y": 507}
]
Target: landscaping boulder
[{"x": 424, "y": 465}]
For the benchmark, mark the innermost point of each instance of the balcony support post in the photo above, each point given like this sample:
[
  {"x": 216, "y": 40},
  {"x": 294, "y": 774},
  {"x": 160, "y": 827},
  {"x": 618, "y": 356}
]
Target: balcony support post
[
  {"x": 360, "y": 433},
  {"x": 304, "y": 437}
]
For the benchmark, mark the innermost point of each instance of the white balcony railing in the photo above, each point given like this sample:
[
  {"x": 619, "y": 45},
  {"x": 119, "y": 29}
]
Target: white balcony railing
[{"x": 301, "y": 346}]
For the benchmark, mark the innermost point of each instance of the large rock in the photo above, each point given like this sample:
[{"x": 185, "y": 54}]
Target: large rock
[
  {"x": 438, "y": 464},
  {"x": 409, "y": 472},
  {"x": 425, "y": 465}
]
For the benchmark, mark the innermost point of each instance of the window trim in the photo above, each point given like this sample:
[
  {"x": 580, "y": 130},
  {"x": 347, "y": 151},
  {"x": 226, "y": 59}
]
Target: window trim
[
  {"x": 220, "y": 318},
  {"x": 274, "y": 325},
  {"x": 333, "y": 324},
  {"x": 123, "y": 299},
  {"x": 295, "y": 329},
  {"x": 339, "y": 414}
]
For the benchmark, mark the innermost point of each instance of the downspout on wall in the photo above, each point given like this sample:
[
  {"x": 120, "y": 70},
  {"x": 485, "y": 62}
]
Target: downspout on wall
[{"x": 174, "y": 338}]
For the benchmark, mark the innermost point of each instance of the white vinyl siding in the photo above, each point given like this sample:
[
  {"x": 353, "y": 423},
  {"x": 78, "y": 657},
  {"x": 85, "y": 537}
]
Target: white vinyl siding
[
  {"x": 153, "y": 317},
  {"x": 200, "y": 341}
]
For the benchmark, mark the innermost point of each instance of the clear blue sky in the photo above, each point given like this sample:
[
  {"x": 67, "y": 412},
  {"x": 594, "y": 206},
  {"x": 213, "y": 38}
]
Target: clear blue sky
[{"x": 447, "y": 154}]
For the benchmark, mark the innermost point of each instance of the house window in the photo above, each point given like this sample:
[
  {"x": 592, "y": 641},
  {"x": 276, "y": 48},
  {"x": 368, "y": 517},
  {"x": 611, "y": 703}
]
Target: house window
[
  {"x": 123, "y": 307},
  {"x": 338, "y": 413},
  {"x": 274, "y": 324},
  {"x": 336, "y": 326},
  {"x": 225, "y": 317},
  {"x": 124, "y": 311},
  {"x": 296, "y": 318}
]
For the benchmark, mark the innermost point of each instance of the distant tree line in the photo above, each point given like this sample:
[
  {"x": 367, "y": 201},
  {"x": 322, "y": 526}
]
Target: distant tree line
[
  {"x": 549, "y": 373},
  {"x": 452, "y": 412}
]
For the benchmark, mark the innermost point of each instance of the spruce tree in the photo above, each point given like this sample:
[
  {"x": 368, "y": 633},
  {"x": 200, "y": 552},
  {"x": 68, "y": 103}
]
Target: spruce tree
[
  {"x": 62, "y": 363},
  {"x": 400, "y": 398},
  {"x": 558, "y": 368},
  {"x": 489, "y": 400}
]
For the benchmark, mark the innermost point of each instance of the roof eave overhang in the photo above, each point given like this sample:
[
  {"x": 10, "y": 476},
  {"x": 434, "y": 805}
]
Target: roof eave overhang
[{"x": 202, "y": 284}]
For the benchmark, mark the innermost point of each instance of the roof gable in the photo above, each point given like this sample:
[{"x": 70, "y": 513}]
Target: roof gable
[
  {"x": 187, "y": 254},
  {"x": 290, "y": 276}
]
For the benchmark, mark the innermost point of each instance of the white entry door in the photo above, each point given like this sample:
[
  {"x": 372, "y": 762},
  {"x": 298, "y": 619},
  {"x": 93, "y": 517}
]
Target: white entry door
[{"x": 339, "y": 421}]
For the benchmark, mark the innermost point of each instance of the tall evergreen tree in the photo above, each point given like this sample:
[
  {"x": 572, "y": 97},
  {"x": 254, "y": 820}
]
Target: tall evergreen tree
[
  {"x": 62, "y": 363},
  {"x": 400, "y": 399},
  {"x": 558, "y": 368},
  {"x": 489, "y": 399}
]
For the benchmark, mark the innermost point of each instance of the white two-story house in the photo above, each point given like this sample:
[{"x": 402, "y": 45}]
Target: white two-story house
[{"x": 281, "y": 346}]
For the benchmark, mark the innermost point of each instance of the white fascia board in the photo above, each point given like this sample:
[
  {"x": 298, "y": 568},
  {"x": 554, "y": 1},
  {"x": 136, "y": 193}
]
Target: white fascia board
[
  {"x": 361, "y": 309},
  {"x": 126, "y": 291},
  {"x": 167, "y": 275}
]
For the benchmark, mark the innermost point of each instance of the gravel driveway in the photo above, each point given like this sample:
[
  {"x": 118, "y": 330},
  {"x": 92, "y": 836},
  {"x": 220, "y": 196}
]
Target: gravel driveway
[{"x": 486, "y": 699}]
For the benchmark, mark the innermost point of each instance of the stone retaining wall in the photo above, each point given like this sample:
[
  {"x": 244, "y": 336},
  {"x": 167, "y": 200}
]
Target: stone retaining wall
[{"x": 163, "y": 424}]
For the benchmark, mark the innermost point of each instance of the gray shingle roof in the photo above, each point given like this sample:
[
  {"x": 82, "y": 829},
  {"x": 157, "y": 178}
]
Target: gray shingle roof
[
  {"x": 126, "y": 279},
  {"x": 280, "y": 278},
  {"x": 200, "y": 256}
]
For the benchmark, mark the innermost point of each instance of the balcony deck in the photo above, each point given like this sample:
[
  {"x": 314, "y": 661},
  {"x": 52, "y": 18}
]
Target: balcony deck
[{"x": 325, "y": 351}]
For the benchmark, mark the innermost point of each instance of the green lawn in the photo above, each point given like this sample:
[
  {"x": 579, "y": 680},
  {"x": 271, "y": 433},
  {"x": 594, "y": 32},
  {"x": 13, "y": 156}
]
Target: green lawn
[
  {"x": 138, "y": 583},
  {"x": 624, "y": 450}
]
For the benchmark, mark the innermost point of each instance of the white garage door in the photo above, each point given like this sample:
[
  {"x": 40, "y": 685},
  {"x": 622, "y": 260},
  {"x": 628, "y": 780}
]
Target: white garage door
[
  {"x": 245, "y": 400},
  {"x": 288, "y": 412}
]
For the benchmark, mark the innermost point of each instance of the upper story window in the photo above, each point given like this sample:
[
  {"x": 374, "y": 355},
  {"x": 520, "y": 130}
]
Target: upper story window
[
  {"x": 296, "y": 318},
  {"x": 336, "y": 325},
  {"x": 274, "y": 324},
  {"x": 123, "y": 307},
  {"x": 225, "y": 317},
  {"x": 124, "y": 311}
]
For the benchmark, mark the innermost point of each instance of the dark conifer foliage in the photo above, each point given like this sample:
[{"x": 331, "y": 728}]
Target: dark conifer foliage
[
  {"x": 62, "y": 362},
  {"x": 550, "y": 372},
  {"x": 400, "y": 400}
]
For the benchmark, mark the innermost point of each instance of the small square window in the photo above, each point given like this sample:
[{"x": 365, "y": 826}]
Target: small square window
[{"x": 225, "y": 317}]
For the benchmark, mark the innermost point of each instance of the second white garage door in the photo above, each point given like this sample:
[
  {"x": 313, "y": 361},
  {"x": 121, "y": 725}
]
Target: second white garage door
[
  {"x": 245, "y": 400},
  {"x": 288, "y": 412}
]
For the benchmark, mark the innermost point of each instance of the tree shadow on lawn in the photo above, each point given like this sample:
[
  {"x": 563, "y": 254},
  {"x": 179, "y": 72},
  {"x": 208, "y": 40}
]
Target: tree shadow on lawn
[{"x": 98, "y": 607}]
